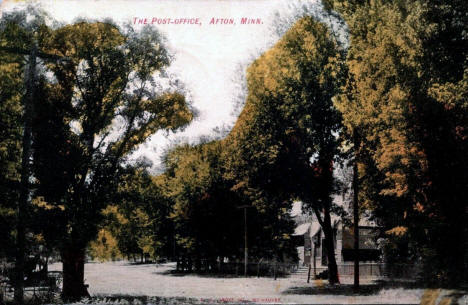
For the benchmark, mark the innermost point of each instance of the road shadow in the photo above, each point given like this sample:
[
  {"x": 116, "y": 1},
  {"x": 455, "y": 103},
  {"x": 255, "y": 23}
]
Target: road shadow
[
  {"x": 345, "y": 290},
  {"x": 323, "y": 288},
  {"x": 175, "y": 273}
]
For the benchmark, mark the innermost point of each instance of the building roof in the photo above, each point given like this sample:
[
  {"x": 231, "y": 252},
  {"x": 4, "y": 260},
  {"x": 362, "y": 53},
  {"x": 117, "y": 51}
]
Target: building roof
[
  {"x": 301, "y": 229},
  {"x": 315, "y": 228}
]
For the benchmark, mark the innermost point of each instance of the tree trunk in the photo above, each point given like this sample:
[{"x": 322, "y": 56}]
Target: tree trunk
[
  {"x": 326, "y": 189},
  {"x": 329, "y": 244},
  {"x": 73, "y": 259}
]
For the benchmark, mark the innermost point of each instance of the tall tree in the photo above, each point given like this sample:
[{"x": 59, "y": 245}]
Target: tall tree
[
  {"x": 20, "y": 33},
  {"x": 138, "y": 218},
  {"x": 207, "y": 215},
  {"x": 285, "y": 140},
  {"x": 406, "y": 97},
  {"x": 11, "y": 92},
  {"x": 203, "y": 205},
  {"x": 95, "y": 108}
]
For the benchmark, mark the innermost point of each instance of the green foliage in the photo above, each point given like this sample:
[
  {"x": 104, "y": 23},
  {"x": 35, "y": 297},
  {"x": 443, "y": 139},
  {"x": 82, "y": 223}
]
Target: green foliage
[
  {"x": 94, "y": 102},
  {"x": 139, "y": 218},
  {"x": 207, "y": 210},
  {"x": 288, "y": 118},
  {"x": 15, "y": 34},
  {"x": 106, "y": 76},
  {"x": 10, "y": 145},
  {"x": 285, "y": 141},
  {"x": 207, "y": 223}
]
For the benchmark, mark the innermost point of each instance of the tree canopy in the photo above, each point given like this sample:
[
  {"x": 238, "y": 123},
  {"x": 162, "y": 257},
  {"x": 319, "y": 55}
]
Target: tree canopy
[
  {"x": 284, "y": 143},
  {"x": 405, "y": 99},
  {"x": 76, "y": 100},
  {"x": 95, "y": 100},
  {"x": 11, "y": 90}
]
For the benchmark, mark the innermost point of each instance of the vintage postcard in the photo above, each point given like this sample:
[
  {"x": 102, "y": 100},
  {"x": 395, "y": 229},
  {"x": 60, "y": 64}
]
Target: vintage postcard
[{"x": 233, "y": 152}]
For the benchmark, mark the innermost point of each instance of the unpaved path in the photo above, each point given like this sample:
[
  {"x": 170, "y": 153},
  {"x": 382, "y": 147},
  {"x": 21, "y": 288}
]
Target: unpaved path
[{"x": 122, "y": 278}]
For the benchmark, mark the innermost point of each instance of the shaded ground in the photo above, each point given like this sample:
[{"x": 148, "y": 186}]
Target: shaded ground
[
  {"x": 345, "y": 290},
  {"x": 155, "y": 284}
]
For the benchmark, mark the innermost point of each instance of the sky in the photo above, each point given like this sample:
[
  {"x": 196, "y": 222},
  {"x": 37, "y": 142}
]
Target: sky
[{"x": 209, "y": 59}]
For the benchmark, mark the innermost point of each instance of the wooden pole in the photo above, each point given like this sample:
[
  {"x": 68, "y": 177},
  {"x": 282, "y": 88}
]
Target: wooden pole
[
  {"x": 246, "y": 251},
  {"x": 30, "y": 77},
  {"x": 356, "y": 216}
]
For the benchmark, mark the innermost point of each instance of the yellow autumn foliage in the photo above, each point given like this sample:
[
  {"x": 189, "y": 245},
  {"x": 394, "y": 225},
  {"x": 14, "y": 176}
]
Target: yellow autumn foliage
[
  {"x": 104, "y": 247},
  {"x": 397, "y": 231}
]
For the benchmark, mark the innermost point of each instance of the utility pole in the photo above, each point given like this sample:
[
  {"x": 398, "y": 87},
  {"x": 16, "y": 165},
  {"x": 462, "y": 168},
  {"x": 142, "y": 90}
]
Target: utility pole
[
  {"x": 30, "y": 79},
  {"x": 25, "y": 190},
  {"x": 356, "y": 214},
  {"x": 246, "y": 249}
]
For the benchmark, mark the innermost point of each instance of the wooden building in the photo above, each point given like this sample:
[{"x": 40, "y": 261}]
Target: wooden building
[{"x": 309, "y": 239}]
